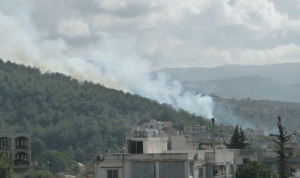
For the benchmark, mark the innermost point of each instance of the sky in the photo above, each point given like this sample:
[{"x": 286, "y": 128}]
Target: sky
[{"x": 114, "y": 42}]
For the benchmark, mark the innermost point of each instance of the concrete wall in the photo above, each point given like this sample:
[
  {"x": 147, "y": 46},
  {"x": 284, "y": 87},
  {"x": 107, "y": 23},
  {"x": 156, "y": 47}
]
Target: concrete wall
[
  {"x": 123, "y": 163},
  {"x": 191, "y": 160},
  {"x": 151, "y": 145},
  {"x": 155, "y": 145}
]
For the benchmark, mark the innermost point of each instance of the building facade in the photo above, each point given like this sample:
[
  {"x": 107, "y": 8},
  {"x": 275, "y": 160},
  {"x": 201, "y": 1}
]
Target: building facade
[
  {"x": 150, "y": 157},
  {"x": 17, "y": 147},
  {"x": 195, "y": 129}
]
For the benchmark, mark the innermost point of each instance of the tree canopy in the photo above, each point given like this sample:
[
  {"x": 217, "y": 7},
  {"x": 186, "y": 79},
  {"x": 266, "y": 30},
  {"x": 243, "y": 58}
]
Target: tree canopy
[
  {"x": 282, "y": 138},
  {"x": 254, "y": 169},
  {"x": 6, "y": 169},
  {"x": 238, "y": 139}
]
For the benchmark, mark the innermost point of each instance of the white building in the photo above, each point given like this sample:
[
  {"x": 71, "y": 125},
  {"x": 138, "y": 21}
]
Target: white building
[
  {"x": 159, "y": 125},
  {"x": 150, "y": 158},
  {"x": 195, "y": 129},
  {"x": 254, "y": 133}
]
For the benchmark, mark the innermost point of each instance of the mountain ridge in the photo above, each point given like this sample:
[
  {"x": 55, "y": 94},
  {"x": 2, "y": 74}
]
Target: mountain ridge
[{"x": 287, "y": 73}]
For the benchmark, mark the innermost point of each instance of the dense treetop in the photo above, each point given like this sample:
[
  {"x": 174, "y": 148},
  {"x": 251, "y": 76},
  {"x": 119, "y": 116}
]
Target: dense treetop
[{"x": 84, "y": 117}]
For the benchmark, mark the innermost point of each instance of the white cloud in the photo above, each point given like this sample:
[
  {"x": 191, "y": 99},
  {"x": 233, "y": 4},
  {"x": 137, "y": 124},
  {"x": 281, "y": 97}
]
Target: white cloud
[{"x": 279, "y": 54}]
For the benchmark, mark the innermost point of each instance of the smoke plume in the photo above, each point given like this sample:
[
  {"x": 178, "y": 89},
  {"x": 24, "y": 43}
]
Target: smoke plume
[{"x": 107, "y": 62}]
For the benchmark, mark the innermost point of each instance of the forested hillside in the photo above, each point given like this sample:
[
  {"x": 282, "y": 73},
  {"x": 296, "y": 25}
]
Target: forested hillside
[
  {"x": 81, "y": 117},
  {"x": 258, "y": 113}
]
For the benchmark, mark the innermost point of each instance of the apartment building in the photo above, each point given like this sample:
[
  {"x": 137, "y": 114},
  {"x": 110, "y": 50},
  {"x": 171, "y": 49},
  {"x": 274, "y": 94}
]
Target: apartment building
[{"x": 17, "y": 147}]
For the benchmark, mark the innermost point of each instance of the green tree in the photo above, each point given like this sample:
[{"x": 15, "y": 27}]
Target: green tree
[
  {"x": 6, "y": 169},
  {"x": 235, "y": 139},
  {"x": 37, "y": 147},
  {"x": 254, "y": 169},
  {"x": 32, "y": 173},
  {"x": 244, "y": 144},
  {"x": 60, "y": 162},
  {"x": 238, "y": 139},
  {"x": 281, "y": 151}
]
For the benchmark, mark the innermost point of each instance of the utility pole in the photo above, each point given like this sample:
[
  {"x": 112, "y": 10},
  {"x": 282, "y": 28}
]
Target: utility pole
[
  {"x": 50, "y": 163},
  {"x": 213, "y": 126}
]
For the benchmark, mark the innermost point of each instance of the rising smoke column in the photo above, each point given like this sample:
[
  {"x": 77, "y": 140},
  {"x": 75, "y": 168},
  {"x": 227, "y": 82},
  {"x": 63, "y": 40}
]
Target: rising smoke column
[{"x": 102, "y": 62}]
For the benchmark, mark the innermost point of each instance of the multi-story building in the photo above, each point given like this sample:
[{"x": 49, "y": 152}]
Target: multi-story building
[
  {"x": 159, "y": 125},
  {"x": 17, "y": 147},
  {"x": 152, "y": 158}
]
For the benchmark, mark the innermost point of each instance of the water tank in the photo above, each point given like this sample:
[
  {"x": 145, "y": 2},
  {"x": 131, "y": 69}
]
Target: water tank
[
  {"x": 155, "y": 133},
  {"x": 150, "y": 133},
  {"x": 140, "y": 134}
]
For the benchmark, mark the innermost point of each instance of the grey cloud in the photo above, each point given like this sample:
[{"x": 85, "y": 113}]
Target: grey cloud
[
  {"x": 78, "y": 41},
  {"x": 156, "y": 34},
  {"x": 87, "y": 7},
  {"x": 291, "y": 7},
  {"x": 134, "y": 9},
  {"x": 48, "y": 14}
]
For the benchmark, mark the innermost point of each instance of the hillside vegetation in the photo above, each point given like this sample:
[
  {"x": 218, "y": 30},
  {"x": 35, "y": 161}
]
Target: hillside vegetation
[
  {"x": 259, "y": 113},
  {"x": 75, "y": 117},
  {"x": 254, "y": 87}
]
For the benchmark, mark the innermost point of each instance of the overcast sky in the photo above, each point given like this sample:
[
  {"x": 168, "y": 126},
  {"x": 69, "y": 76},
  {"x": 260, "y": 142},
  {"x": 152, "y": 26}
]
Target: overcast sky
[{"x": 153, "y": 33}]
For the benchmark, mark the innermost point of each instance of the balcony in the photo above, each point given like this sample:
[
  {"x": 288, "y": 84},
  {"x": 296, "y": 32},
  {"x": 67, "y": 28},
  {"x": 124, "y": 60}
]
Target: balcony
[{"x": 21, "y": 143}]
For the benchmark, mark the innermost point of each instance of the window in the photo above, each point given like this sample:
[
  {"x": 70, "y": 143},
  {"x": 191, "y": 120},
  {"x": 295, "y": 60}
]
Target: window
[
  {"x": 246, "y": 160},
  {"x": 191, "y": 169},
  {"x": 169, "y": 169},
  {"x": 201, "y": 173},
  {"x": 135, "y": 147},
  {"x": 112, "y": 173},
  {"x": 143, "y": 169}
]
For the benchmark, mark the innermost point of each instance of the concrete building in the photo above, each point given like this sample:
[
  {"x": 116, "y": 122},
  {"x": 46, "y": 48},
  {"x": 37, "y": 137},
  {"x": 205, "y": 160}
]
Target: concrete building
[
  {"x": 17, "y": 147},
  {"x": 150, "y": 157},
  {"x": 191, "y": 142},
  {"x": 226, "y": 128},
  {"x": 244, "y": 155},
  {"x": 195, "y": 129},
  {"x": 159, "y": 125},
  {"x": 254, "y": 133}
]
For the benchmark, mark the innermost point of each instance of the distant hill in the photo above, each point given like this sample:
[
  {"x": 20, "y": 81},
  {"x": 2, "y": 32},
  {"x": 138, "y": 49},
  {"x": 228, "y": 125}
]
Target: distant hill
[
  {"x": 254, "y": 87},
  {"x": 257, "y": 113},
  {"x": 285, "y": 73}
]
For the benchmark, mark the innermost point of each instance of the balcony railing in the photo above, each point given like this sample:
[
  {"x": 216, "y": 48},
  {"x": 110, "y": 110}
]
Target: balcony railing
[
  {"x": 21, "y": 162},
  {"x": 223, "y": 176}
]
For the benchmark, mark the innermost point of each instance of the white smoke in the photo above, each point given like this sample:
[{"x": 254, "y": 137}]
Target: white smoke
[{"x": 107, "y": 62}]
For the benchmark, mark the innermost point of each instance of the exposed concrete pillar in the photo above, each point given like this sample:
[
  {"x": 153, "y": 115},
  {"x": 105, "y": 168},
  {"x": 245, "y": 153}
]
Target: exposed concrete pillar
[
  {"x": 157, "y": 169},
  {"x": 225, "y": 170},
  {"x": 186, "y": 165}
]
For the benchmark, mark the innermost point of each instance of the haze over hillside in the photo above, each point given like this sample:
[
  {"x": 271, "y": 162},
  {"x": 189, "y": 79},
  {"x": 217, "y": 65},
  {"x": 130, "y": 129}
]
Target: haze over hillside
[
  {"x": 288, "y": 73},
  {"x": 257, "y": 113},
  {"x": 253, "y": 87},
  {"x": 277, "y": 82}
]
